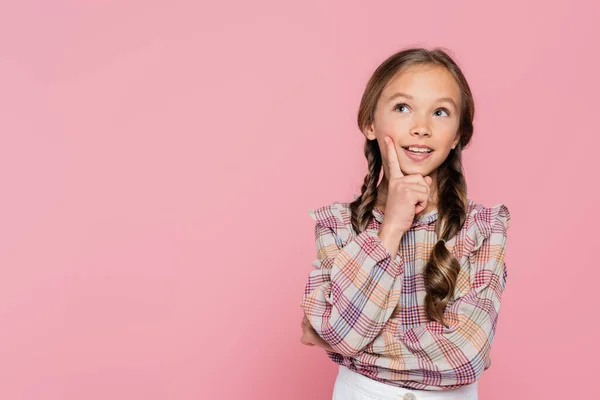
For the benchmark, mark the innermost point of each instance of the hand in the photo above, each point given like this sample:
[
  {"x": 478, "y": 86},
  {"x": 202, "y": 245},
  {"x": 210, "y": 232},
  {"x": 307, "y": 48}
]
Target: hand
[
  {"x": 311, "y": 338},
  {"x": 407, "y": 195}
]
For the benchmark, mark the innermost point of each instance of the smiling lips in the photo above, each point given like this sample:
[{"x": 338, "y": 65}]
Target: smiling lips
[
  {"x": 417, "y": 155},
  {"x": 417, "y": 147}
]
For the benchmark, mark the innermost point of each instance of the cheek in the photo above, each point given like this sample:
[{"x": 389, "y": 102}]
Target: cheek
[
  {"x": 389, "y": 124},
  {"x": 441, "y": 156},
  {"x": 386, "y": 129},
  {"x": 447, "y": 127},
  {"x": 446, "y": 132}
]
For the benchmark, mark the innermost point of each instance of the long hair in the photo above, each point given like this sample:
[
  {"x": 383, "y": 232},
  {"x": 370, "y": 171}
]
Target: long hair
[{"x": 442, "y": 268}]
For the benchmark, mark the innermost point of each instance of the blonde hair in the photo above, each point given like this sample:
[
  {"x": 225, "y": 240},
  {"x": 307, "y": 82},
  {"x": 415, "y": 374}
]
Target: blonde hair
[{"x": 442, "y": 268}]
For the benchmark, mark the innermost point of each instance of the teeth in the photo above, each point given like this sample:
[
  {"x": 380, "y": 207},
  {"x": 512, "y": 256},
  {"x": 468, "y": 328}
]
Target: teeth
[{"x": 419, "y": 150}]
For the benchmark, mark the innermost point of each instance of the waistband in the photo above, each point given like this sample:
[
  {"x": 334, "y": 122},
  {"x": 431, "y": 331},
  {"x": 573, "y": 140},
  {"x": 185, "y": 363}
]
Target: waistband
[{"x": 377, "y": 389}]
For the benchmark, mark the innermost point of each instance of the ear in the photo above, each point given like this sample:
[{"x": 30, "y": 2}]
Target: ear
[
  {"x": 456, "y": 141},
  {"x": 369, "y": 131}
]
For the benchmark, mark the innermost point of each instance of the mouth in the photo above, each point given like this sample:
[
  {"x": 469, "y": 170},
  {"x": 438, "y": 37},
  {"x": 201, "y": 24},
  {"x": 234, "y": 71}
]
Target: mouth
[
  {"x": 418, "y": 150},
  {"x": 418, "y": 154}
]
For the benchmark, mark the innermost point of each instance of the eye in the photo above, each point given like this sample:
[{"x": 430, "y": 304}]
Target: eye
[
  {"x": 443, "y": 109},
  {"x": 399, "y": 105}
]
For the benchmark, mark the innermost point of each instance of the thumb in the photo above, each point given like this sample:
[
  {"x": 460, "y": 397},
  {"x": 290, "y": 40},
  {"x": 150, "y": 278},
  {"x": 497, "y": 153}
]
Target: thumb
[{"x": 428, "y": 179}]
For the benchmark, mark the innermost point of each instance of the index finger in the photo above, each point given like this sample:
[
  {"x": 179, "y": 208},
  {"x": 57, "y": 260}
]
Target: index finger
[{"x": 392, "y": 158}]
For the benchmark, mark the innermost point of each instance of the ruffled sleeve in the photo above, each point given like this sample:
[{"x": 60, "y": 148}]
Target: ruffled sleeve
[
  {"x": 336, "y": 218},
  {"x": 355, "y": 284},
  {"x": 492, "y": 226},
  {"x": 491, "y": 219}
]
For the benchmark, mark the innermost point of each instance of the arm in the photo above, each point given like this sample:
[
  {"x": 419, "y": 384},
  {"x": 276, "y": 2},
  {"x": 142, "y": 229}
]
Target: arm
[
  {"x": 353, "y": 289},
  {"x": 458, "y": 353}
]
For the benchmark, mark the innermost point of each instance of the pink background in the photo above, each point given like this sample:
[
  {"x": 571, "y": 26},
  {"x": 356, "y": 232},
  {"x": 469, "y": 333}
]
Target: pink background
[{"x": 158, "y": 159}]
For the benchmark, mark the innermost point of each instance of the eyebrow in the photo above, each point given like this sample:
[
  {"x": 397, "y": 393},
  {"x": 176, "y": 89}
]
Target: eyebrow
[{"x": 399, "y": 94}]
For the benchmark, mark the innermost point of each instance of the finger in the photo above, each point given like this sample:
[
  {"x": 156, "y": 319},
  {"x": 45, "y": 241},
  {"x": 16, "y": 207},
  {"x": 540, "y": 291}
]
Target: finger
[
  {"x": 420, "y": 197},
  {"x": 419, "y": 179},
  {"x": 323, "y": 344},
  {"x": 420, "y": 187},
  {"x": 306, "y": 337},
  {"x": 417, "y": 186},
  {"x": 420, "y": 201},
  {"x": 304, "y": 340},
  {"x": 305, "y": 320},
  {"x": 316, "y": 340},
  {"x": 311, "y": 339},
  {"x": 306, "y": 325},
  {"x": 392, "y": 155}
]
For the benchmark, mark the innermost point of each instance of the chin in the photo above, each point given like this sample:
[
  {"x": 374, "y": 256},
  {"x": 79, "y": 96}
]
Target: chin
[{"x": 416, "y": 169}]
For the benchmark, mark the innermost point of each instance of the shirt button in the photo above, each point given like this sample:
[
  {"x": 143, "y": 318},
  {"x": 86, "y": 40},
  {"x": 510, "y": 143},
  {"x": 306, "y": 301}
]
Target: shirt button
[{"x": 409, "y": 396}]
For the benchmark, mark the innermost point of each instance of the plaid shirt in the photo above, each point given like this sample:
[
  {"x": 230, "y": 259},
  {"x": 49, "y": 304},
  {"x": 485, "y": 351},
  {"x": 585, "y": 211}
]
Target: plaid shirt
[{"x": 369, "y": 306}]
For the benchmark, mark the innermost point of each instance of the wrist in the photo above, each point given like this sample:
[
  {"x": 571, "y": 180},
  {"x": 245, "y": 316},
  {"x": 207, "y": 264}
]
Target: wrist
[{"x": 390, "y": 231}]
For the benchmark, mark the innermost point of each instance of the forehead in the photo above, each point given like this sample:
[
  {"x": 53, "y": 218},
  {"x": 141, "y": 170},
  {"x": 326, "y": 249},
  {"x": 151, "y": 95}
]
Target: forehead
[{"x": 423, "y": 82}]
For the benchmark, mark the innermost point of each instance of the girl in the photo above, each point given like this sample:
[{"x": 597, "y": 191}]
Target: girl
[{"x": 408, "y": 277}]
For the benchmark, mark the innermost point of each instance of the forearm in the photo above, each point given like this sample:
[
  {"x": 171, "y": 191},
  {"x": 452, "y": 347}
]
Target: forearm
[{"x": 352, "y": 292}]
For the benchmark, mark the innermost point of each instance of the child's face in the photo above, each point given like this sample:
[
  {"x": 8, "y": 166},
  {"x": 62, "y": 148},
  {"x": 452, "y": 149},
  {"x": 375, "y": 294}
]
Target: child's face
[{"x": 420, "y": 120}]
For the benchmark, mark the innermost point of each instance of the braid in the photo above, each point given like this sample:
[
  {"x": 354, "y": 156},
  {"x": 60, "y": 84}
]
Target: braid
[
  {"x": 362, "y": 207},
  {"x": 441, "y": 271}
]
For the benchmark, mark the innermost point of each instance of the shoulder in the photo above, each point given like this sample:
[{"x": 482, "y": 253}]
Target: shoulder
[
  {"x": 484, "y": 221},
  {"x": 336, "y": 216}
]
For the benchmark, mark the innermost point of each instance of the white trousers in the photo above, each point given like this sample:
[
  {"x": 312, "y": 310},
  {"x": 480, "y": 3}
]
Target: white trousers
[{"x": 351, "y": 385}]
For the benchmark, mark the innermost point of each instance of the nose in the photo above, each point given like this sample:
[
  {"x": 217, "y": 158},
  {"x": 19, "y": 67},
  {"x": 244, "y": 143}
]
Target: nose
[
  {"x": 421, "y": 127},
  {"x": 421, "y": 131}
]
